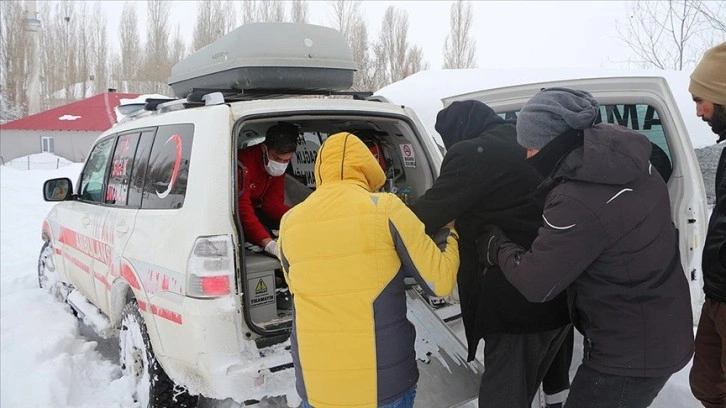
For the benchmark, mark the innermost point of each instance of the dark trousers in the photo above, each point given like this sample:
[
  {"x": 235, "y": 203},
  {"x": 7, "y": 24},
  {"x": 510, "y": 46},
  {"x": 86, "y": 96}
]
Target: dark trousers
[
  {"x": 593, "y": 389},
  {"x": 514, "y": 365},
  {"x": 556, "y": 381},
  {"x": 708, "y": 374}
]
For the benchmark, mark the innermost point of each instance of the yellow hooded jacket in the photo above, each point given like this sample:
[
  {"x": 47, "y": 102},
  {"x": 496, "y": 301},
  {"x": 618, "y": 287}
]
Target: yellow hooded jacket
[{"x": 345, "y": 251}]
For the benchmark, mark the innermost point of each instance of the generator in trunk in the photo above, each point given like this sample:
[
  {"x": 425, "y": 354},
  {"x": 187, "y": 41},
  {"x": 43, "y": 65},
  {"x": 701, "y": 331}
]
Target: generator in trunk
[{"x": 268, "y": 56}]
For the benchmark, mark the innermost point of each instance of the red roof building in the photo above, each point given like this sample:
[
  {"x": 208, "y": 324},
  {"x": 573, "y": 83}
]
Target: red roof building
[
  {"x": 92, "y": 114},
  {"x": 67, "y": 131}
]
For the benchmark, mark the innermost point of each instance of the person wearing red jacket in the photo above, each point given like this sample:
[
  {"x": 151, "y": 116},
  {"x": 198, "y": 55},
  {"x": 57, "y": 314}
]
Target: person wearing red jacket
[{"x": 262, "y": 202}]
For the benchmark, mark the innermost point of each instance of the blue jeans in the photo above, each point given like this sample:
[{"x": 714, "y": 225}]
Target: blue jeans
[
  {"x": 404, "y": 401},
  {"x": 593, "y": 389}
]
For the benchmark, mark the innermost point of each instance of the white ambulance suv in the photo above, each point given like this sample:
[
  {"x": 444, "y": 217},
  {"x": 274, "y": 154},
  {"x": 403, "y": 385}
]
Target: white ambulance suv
[{"x": 147, "y": 244}]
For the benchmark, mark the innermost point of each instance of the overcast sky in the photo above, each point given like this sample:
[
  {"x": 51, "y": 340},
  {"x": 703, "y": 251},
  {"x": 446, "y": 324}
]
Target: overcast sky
[{"x": 508, "y": 33}]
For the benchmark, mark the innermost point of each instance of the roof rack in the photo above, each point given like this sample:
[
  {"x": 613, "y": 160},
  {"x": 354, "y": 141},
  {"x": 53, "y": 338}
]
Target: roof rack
[
  {"x": 231, "y": 95},
  {"x": 203, "y": 96}
]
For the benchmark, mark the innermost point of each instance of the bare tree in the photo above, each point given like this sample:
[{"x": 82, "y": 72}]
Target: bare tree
[
  {"x": 116, "y": 79},
  {"x": 157, "y": 65},
  {"x": 82, "y": 33},
  {"x": 460, "y": 47},
  {"x": 130, "y": 58},
  {"x": 394, "y": 57},
  {"x": 62, "y": 27},
  {"x": 348, "y": 19},
  {"x": 257, "y": 11},
  {"x": 9, "y": 110},
  {"x": 346, "y": 15},
  {"x": 670, "y": 34},
  {"x": 715, "y": 14},
  {"x": 177, "y": 48},
  {"x": 215, "y": 18},
  {"x": 299, "y": 11},
  {"x": 414, "y": 61},
  {"x": 13, "y": 55},
  {"x": 99, "y": 49}
]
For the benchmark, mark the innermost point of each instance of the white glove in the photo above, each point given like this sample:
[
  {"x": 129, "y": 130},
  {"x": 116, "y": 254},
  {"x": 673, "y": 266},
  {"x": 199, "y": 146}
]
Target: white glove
[{"x": 271, "y": 248}]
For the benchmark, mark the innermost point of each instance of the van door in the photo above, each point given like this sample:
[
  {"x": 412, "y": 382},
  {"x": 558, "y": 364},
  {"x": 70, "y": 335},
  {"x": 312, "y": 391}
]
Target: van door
[
  {"x": 122, "y": 207},
  {"x": 645, "y": 104},
  {"x": 81, "y": 222}
]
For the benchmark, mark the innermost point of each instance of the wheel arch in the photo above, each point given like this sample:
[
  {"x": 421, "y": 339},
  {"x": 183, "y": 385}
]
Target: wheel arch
[{"x": 46, "y": 233}]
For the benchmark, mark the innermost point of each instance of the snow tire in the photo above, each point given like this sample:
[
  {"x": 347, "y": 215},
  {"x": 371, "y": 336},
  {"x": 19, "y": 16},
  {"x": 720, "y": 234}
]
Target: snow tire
[
  {"x": 48, "y": 277},
  {"x": 154, "y": 388}
]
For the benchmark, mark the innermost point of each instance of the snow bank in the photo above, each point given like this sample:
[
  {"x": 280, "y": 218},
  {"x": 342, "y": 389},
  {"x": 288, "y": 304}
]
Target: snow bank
[
  {"x": 45, "y": 360},
  {"x": 424, "y": 90},
  {"x": 38, "y": 161}
]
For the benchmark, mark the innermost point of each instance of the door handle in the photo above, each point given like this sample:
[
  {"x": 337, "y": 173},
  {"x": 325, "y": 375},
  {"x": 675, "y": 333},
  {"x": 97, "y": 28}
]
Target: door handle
[{"x": 86, "y": 220}]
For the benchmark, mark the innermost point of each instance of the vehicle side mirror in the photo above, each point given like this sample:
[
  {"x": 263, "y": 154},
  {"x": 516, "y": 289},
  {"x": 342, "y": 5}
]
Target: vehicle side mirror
[{"x": 59, "y": 189}]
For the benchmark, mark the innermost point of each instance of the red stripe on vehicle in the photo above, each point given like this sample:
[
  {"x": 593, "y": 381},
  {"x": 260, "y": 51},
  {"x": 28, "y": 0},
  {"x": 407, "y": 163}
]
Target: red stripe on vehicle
[
  {"x": 57, "y": 251},
  {"x": 94, "y": 248},
  {"x": 128, "y": 274},
  {"x": 166, "y": 314},
  {"x": 161, "y": 312},
  {"x": 75, "y": 261},
  {"x": 102, "y": 279}
]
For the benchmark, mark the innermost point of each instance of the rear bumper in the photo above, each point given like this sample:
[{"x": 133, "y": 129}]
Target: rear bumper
[{"x": 213, "y": 353}]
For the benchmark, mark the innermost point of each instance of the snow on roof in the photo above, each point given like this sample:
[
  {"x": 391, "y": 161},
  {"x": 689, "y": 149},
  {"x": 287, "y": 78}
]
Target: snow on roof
[
  {"x": 142, "y": 98},
  {"x": 92, "y": 114},
  {"x": 424, "y": 90},
  {"x": 138, "y": 100}
]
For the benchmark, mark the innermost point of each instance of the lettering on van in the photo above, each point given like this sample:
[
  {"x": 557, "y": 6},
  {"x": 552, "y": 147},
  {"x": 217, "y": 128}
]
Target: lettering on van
[
  {"x": 87, "y": 245},
  {"x": 303, "y": 163},
  {"x": 640, "y": 117}
]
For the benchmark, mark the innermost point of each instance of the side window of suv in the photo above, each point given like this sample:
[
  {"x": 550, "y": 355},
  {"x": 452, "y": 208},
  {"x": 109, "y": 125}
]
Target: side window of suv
[
  {"x": 165, "y": 183},
  {"x": 94, "y": 173},
  {"x": 141, "y": 164},
  {"x": 117, "y": 190}
]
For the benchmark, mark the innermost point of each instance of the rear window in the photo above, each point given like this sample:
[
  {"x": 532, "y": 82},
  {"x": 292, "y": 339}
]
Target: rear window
[{"x": 165, "y": 181}]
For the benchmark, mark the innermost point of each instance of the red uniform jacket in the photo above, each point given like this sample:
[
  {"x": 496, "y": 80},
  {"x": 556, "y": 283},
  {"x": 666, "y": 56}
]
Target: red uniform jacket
[{"x": 261, "y": 191}]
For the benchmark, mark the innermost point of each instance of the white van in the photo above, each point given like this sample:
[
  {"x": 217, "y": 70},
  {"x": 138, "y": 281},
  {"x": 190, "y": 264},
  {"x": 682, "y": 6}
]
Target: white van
[{"x": 148, "y": 243}]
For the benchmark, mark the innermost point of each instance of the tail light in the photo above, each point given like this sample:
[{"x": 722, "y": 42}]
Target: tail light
[{"x": 210, "y": 268}]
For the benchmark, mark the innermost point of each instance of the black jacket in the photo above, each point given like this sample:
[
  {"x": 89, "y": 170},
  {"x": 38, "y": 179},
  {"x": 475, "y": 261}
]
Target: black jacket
[
  {"x": 714, "y": 251},
  {"x": 609, "y": 239},
  {"x": 485, "y": 179}
]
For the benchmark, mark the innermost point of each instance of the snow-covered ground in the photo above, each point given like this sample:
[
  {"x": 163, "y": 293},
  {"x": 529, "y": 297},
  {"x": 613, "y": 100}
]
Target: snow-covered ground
[
  {"x": 45, "y": 360},
  {"x": 48, "y": 358}
]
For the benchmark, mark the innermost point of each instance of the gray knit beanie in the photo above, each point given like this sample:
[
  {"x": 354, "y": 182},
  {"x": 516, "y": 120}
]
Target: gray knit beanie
[{"x": 552, "y": 112}]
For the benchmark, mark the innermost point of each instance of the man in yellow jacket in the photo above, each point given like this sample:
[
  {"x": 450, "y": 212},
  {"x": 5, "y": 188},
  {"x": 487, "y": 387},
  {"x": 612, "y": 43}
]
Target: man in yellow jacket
[{"x": 345, "y": 252}]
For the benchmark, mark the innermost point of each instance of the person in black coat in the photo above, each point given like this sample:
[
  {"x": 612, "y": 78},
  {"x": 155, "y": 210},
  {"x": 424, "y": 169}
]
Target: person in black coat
[
  {"x": 485, "y": 179},
  {"x": 608, "y": 239}
]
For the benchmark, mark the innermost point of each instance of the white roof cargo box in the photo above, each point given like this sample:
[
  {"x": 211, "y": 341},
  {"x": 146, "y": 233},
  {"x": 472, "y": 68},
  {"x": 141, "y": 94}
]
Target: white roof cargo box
[{"x": 268, "y": 56}]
